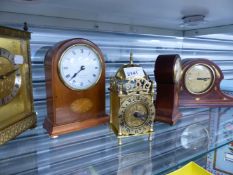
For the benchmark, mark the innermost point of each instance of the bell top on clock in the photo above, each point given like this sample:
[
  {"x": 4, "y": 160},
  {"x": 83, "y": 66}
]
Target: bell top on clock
[
  {"x": 131, "y": 78},
  {"x": 130, "y": 71}
]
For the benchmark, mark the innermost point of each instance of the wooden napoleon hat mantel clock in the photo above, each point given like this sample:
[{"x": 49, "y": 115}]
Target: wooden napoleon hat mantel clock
[
  {"x": 16, "y": 102},
  {"x": 167, "y": 75},
  {"x": 200, "y": 84},
  {"x": 75, "y": 85}
]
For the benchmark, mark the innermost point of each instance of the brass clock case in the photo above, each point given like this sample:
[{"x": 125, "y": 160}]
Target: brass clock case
[
  {"x": 131, "y": 98},
  {"x": 16, "y": 100}
]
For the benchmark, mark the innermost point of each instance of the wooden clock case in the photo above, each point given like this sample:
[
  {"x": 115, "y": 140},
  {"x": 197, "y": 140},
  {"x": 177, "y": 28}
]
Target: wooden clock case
[
  {"x": 214, "y": 97},
  {"x": 167, "y": 97},
  {"x": 61, "y": 119}
]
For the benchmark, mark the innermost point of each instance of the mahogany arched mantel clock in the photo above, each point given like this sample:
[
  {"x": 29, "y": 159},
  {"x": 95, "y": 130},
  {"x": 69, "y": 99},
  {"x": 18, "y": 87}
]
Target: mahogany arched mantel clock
[
  {"x": 167, "y": 75},
  {"x": 75, "y": 85}
]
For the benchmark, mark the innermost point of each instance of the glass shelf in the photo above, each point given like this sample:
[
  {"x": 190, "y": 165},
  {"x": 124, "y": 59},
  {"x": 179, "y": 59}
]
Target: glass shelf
[{"x": 95, "y": 151}]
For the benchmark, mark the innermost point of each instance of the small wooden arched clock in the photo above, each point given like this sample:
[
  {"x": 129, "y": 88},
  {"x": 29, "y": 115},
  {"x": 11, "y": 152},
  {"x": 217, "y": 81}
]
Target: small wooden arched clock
[
  {"x": 200, "y": 84},
  {"x": 75, "y": 85},
  {"x": 167, "y": 74}
]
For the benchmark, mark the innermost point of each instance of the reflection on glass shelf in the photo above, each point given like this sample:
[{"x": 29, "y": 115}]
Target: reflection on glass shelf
[
  {"x": 227, "y": 87},
  {"x": 135, "y": 163},
  {"x": 194, "y": 137},
  {"x": 95, "y": 151}
]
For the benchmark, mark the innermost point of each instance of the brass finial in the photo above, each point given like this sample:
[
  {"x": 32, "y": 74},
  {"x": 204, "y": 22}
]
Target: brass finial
[
  {"x": 131, "y": 57},
  {"x": 25, "y": 26}
]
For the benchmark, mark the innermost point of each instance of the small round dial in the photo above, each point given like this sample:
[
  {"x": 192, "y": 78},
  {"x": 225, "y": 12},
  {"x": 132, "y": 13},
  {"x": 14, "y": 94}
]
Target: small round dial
[
  {"x": 80, "y": 67},
  {"x": 10, "y": 79},
  {"x": 177, "y": 70},
  {"x": 199, "y": 79},
  {"x": 136, "y": 114}
]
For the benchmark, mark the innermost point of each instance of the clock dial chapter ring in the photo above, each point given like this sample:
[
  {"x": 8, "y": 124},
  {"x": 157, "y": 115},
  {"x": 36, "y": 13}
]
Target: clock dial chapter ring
[
  {"x": 10, "y": 77},
  {"x": 135, "y": 115},
  {"x": 80, "y": 66},
  {"x": 199, "y": 78}
]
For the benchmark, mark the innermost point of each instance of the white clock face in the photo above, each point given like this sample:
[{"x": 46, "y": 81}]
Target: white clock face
[{"x": 80, "y": 67}]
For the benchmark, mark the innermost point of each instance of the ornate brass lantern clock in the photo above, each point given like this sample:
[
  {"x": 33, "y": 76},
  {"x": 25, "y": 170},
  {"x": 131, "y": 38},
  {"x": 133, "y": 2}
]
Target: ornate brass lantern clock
[
  {"x": 131, "y": 96},
  {"x": 16, "y": 104}
]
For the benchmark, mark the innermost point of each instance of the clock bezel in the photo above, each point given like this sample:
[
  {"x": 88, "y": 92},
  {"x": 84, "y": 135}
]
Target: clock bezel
[
  {"x": 212, "y": 81},
  {"x": 4, "y": 53},
  {"x": 83, "y": 43},
  {"x": 178, "y": 61}
]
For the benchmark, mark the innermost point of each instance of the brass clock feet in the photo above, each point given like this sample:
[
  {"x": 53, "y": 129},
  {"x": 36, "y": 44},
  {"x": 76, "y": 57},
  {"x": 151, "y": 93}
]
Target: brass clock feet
[
  {"x": 54, "y": 137},
  {"x": 150, "y": 138},
  {"x": 119, "y": 141}
]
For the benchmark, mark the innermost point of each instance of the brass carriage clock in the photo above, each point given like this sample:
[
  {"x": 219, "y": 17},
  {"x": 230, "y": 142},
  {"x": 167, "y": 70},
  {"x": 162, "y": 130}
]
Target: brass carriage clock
[
  {"x": 16, "y": 106},
  {"x": 131, "y": 96}
]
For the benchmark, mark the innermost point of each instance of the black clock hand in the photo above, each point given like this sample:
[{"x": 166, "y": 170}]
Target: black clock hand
[
  {"x": 139, "y": 115},
  {"x": 204, "y": 79},
  {"x": 2, "y": 77},
  {"x": 81, "y": 68}
]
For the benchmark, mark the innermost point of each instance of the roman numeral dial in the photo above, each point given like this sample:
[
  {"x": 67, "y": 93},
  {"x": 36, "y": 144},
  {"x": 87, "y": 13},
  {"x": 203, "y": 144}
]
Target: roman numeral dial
[
  {"x": 80, "y": 67},
  {"x": 10, "y": 78}
]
